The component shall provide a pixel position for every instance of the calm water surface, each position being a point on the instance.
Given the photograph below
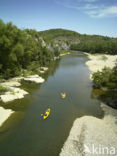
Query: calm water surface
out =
(25, 133)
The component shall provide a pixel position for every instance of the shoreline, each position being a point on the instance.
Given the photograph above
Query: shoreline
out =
(89, 130)
(4, 114)
(13, 92)
(97, 62)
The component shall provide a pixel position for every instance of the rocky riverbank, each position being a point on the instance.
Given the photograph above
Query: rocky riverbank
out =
(4, 114)
(93, 136)
(98, 61)
(14, 92)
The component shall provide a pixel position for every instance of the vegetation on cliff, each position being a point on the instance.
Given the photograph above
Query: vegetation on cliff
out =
(81, 42)
(22, 50)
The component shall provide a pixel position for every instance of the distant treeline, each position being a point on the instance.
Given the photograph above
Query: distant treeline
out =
(19, 49)
(88, 43)
(52, 34)
(96, 44)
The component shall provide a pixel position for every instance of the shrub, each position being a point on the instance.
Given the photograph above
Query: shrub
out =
(106, 78)
(2, 89)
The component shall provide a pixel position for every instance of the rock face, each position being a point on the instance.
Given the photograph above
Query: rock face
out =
(93, 136)
(64, 43)
(59, 39)
(42, 42)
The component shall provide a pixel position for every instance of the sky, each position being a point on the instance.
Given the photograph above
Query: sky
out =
(84, 16)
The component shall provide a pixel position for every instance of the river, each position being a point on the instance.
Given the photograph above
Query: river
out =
(25, 133)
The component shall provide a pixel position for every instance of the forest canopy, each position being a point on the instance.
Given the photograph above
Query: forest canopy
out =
(19, 48)
(96, 44)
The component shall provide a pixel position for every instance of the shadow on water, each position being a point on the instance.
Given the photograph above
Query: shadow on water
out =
(26, 133)
(20, 106)
(31, 88)
(109, 97)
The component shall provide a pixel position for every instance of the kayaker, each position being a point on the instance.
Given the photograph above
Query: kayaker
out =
(63, 95)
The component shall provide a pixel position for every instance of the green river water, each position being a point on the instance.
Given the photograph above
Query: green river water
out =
(25, 133)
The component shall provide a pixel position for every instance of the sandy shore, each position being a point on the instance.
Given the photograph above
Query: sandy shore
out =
(99, 61)
(90, 135)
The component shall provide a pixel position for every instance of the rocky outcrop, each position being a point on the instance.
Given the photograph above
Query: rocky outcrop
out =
(60, 43)
(65, 43)
(12, 90)
(93, 136)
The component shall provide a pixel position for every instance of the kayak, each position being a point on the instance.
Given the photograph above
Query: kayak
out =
(46, 114)
(63, 95)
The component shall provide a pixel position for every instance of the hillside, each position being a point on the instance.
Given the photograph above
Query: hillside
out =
(66, 39)
(60, 38)
(22, 50)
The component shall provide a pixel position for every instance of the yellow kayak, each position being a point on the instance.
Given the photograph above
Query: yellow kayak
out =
(46, 114)
(63, 95)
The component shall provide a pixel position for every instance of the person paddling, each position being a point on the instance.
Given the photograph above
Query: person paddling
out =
(63, 95)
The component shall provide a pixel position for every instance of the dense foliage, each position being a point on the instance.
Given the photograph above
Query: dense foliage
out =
(105, 86)
(107, 78)
(87, 43)
(52, 34)
(2, 89)
(24, 49)
(96, 44)
(19, 49)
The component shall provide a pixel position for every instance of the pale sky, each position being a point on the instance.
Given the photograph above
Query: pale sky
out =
(84, 16)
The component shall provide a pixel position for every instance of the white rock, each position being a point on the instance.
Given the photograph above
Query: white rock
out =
(34, 78)
(41, 71)
(14, 93)
(4, 114)
(44, 68)
(89, 131)
(10, 83)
